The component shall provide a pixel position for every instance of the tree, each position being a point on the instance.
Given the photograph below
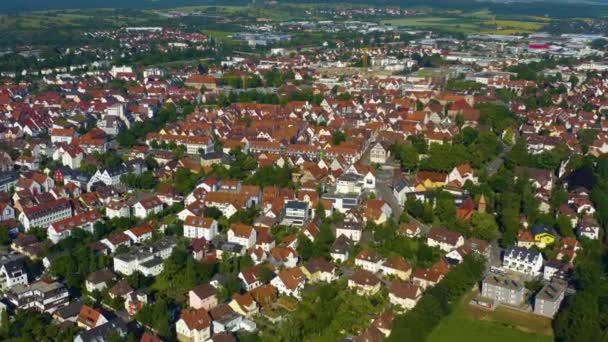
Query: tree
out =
(266, 275)
(5, 325)
(573, 80)
(320, 211)
(337, 137)
(189, 274)
(407, 155)
(305, 248)
(564, 226)
(583, 315)
(445, 209)
(5, 238)
(484, 226)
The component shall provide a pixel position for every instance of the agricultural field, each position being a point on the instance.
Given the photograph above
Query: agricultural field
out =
(471, 22)
(67, 19)
(471, 324)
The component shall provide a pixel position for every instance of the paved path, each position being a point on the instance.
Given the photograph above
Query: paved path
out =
(385, 192)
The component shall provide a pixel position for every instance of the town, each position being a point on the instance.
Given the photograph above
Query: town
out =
(328, 177)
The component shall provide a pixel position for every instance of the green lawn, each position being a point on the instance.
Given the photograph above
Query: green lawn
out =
(469, 324)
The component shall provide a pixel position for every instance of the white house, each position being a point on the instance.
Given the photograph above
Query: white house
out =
(13, 272)
(7, 212)
(242, 234)
(589, 229)
(368, 260)
(194, 325)
(140, 234)
(60, 230)
(352, 230)
(378, 154)
(462, 173)
(523, 260)
(196, 227)
(69, 155)
(147, 206)
(147, 259)
(290, 282)
(116, 209)
(446, 240)
(109, 177)
(403, 294)
(45, 214)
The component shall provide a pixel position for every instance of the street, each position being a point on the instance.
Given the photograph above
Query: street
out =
(385, 192)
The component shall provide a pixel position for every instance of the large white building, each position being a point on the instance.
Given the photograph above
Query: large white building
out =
(523, 260)
(200, 227)
(147, 260)
(62, 229)
(45, 214)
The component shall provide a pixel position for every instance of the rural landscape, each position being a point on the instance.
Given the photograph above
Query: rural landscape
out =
(250, 170)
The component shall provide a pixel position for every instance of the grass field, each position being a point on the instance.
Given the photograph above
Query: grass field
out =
(471, 22)
(470, 324)
(65, 19)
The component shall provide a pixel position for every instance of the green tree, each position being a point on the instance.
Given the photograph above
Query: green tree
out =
(5, 325)
(266, 275)
(320, 212)
(337, 137)
(484, 226)
(5, 238)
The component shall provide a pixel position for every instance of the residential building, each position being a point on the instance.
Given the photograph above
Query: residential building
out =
(404, 294)
(147, 206)
(523, 260)
(45, 214)
(319, 269)
(339, 249)
(101, 333)
(147, 259)
(99, 280)
(13, 272)
(42, 296)
(140, 234)
(368, 260)
(503, 290)
(194, 325)
(289, 282)
(89, 318)
(444, 239)
(295, 213)
(203, 297)
(350, 229)
(60, 230)
(396, 266)
(364, 283)
(117, 209)
(550, 297)
(242, 234)
(196, 227)
(378, 154)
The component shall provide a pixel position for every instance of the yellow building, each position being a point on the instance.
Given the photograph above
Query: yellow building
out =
(543, 236)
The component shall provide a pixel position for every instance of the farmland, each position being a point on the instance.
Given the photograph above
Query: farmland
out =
(472, 22)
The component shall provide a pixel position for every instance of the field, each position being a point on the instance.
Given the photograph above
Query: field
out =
(471, 22)
(67, 19)
(471, 324)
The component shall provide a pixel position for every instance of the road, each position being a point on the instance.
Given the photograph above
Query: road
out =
(495, 164)
(385, 192)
